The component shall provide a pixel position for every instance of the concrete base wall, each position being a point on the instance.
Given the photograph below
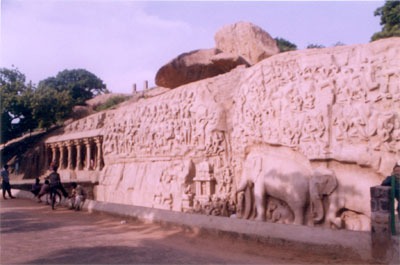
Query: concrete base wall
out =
(324, 241)
(328, 241)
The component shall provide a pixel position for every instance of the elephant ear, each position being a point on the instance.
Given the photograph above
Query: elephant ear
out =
(324, 182)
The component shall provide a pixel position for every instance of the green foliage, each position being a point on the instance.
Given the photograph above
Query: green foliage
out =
(315, 46)
(50, 106)
(111, 102)
(15, 100)
(390, 19)
(339, 43)
(285, 45)
(79, 83)
(24, 107)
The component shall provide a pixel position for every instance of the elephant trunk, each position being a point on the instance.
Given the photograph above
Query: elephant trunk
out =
(242, 185)
(317, 207)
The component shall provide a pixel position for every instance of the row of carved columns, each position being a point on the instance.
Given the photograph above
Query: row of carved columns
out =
(77, 154)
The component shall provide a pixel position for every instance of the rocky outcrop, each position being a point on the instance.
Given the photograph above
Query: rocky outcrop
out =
(246, 40)
(239, 44)
(196, 65)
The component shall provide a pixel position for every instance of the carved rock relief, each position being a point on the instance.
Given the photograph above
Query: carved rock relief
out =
(333, 111)
(323, 107)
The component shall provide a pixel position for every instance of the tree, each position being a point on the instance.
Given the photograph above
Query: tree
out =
(390, 19)
(315, 46)
(339, 43)
(50, 106)
(15, 100)
(285, 45)
(79, 83)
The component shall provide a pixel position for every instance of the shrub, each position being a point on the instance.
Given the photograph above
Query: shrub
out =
(111, 102)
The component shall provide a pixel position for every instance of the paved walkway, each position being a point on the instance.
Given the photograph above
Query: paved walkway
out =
(32, 233)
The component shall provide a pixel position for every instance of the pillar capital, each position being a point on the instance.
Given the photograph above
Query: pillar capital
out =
(60, 144)
(98, 139)
(69, 143)
(87, 141)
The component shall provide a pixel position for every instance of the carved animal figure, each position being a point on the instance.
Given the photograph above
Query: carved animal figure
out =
(351, 194)
(287, 176)
(354, 221)
(276, 212)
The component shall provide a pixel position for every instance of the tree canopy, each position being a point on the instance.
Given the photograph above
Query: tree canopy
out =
(79, 83)
(390, 20)
(50, 106)
(315, 46)
(15, 100)
(25, 107)
(285, 45)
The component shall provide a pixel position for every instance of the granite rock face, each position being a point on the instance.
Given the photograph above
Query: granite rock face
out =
(312, 129)
(246, 40)
(196, 65)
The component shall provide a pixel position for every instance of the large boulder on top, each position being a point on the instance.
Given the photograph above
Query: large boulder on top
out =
(246, 40)
(196, 65)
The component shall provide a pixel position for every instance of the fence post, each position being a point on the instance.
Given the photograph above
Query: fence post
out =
(381, 231)
(392, 215)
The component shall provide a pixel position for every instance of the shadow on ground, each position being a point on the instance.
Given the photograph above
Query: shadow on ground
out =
(122, 255)
(17, 222)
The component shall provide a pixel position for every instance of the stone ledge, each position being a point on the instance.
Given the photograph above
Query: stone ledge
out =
(26, 185)
(351, 244)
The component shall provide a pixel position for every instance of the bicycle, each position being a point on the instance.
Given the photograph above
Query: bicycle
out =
(54, 198)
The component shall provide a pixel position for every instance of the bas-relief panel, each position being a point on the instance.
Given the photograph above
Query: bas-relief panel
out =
(323, 108)
(187, 149)
(344, 108)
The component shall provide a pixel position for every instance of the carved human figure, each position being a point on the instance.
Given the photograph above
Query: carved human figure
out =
(385, 126)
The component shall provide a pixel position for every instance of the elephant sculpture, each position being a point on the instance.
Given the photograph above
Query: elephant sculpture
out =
(277, 212)
(287, 177)
(348, 206)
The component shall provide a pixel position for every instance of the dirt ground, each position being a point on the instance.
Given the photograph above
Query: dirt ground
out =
(32, 233)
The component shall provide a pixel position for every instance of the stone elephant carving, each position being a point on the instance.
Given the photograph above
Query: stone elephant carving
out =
(351, 198)
(288, 180)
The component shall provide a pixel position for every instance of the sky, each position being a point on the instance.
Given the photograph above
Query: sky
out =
(126, 42)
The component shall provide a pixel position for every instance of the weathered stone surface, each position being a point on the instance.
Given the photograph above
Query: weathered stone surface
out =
(196, 65)
(313, 130)
(246, 40)
(227, 61)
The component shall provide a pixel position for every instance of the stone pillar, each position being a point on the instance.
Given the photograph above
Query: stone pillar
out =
(61, 161)
(48, 157)
(98, 142)
(69, 149)
(53, 147)
(145, 85)
(134, 89)
(380, 222)
(88, 153)
(78, 154)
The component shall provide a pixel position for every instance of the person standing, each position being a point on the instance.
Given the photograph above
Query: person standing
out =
(6, 182)
(55, 182)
